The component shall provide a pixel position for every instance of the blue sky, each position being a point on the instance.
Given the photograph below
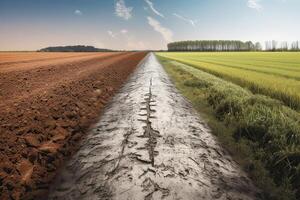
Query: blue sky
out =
(143, 24)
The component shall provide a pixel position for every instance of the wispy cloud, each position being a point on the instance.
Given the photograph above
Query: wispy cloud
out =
(78, 12)
(111, 34)
(151, 5)
(115, 34)
(122, 10)
(190, 21)
(165, 32)
(255, 4)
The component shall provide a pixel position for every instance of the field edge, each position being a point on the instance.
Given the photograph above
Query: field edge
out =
(241, 152)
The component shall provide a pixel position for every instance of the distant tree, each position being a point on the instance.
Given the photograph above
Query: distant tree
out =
(274, 45)
(295, 46)
(267, 46)
(284, 46)
(258, 46)
(249, 46)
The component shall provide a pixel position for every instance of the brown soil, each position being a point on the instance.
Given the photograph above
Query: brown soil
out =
(47, 102)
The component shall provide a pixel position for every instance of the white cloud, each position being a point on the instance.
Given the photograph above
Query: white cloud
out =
(111, 34)
(78, 12)
(124, 31)
(166, 33)
(190, 21)
(255, 4)
(122, 10)
(151, 5)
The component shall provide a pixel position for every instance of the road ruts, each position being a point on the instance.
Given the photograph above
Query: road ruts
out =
(150, 144)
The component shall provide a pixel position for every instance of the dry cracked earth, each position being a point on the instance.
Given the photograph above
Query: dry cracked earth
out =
(151, 144)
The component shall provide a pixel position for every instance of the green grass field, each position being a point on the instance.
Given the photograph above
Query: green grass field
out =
(255, 96)
(273, 74)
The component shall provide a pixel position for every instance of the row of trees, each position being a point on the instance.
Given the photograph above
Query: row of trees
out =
(214, 45)
(281, 46)
(231, 45)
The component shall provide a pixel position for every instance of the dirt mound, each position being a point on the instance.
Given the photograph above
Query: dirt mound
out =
(45, 109)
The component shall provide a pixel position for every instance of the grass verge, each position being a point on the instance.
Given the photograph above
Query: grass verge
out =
(261, 133)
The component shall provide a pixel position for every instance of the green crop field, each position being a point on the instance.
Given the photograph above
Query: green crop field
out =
(256, 96)
(273, 74)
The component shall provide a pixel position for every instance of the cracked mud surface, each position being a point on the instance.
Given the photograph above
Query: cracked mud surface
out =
(150, 144)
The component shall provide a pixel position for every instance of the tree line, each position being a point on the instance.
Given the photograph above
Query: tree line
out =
(213, 45)
(281, 46)
(231, 45)
(76, 48)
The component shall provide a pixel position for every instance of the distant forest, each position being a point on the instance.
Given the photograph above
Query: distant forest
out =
(231, 45)
(77, 48)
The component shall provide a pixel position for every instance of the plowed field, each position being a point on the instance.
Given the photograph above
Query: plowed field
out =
(47, 102)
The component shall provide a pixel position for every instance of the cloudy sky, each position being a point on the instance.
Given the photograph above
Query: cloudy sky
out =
(143, 24)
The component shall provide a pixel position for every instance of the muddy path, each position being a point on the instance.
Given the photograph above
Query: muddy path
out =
(151, 144)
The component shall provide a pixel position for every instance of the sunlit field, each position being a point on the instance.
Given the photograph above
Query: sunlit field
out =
(273, 74)
(256, 97)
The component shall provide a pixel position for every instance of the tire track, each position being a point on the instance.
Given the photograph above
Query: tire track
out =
(150, 144)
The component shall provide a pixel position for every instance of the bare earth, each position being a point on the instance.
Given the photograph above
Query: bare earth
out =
(47, 103)
(151, 144)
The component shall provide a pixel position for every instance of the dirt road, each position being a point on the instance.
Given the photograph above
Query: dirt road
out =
(150, 144)
(47, 103)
